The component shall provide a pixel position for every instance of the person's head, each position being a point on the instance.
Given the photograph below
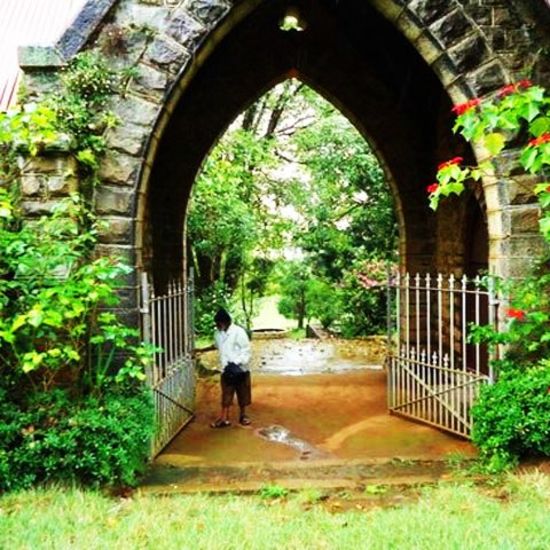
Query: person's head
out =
(222, 319)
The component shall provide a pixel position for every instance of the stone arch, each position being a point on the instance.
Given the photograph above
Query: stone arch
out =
(469, 50)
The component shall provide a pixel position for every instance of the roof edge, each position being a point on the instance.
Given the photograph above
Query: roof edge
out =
(70, 42)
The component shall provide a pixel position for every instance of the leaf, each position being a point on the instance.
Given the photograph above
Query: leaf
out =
(494, 143)
(539, 126)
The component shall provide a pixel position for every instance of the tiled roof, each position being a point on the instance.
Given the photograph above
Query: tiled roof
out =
(28, 22)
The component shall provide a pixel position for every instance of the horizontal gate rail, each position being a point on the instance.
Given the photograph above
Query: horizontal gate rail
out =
(167, 323)
(434, 371)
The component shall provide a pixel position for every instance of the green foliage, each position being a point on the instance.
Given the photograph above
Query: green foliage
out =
(512, 416)
(272, 492)
(207, 303)
(93, 441)
(55, 329)
(51, 295)
(292, 173)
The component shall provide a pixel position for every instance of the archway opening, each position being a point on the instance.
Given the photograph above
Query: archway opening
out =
(358, 61)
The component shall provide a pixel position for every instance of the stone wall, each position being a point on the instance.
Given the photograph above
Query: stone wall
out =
(455, 49)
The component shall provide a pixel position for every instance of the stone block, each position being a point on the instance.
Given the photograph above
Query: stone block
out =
(124, 253)
(39, 56)
(31, 185)
(164, 51)
(115, 230)
(109, 200)
(150, 78)
(430, 10)
(208, 12)
(149, 16)
(470, 53)
(185, 29)
(130, 139)
(531, 247)
(61, 185)
(452, 28)
(38, 207)
(135, 110)
(525, 219)
(488, 79)
(119, 168)
(50, 164)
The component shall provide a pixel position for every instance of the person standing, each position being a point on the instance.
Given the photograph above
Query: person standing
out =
(234, 351)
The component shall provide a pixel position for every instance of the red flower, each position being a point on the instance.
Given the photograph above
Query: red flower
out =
(525, 83)
(506, 90)
(461, 108)
(432, 188)
(452, 162)
(514, 313)
(544, 138)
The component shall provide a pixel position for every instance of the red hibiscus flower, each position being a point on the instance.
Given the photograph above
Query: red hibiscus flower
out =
(525, 83)
(432, 188)
(461, 108)
(544, 138)
(506, 90)
(452, 162)
(514, 313)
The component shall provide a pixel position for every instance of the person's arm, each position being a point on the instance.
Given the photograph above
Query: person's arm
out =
(245, 351)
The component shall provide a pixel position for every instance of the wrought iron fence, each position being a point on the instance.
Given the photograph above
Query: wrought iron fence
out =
(434, 370)
(167, 323)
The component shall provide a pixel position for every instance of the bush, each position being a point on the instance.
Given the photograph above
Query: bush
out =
(512, 416)
(92, 441)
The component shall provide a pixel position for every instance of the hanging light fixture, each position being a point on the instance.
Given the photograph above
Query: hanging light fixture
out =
(292, 20)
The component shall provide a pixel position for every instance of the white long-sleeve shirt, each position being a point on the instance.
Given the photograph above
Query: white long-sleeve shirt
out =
(234, 346)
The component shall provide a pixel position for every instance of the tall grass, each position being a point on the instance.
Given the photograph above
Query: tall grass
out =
(449, 517)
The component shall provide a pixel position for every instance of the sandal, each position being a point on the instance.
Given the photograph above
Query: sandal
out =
(219, 423)
(245, 421)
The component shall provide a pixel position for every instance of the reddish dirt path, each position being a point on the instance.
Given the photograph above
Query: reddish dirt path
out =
(343, 416)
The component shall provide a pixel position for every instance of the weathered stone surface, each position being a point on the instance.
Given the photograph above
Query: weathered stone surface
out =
(525, 219)
(130, 139)
(39, 56)
(488, 79)
(38, 207)
(451, 28)
(207, 11)
(185, 29)
(150, 79)
(430, 10)
(31, 185)
(149, 16)
(49, 164)
(469, 54)
(164, 51)
(115, 230)
(109, 200)
(119, 168)
(528, 246)
(135, 110)
(61, 185)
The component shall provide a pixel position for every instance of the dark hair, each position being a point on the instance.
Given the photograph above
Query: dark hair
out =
(222, 317)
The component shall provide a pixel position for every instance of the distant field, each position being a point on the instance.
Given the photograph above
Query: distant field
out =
(269, 317)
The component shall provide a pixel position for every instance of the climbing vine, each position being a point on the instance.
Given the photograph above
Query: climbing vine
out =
(63, 355)
(512, 416)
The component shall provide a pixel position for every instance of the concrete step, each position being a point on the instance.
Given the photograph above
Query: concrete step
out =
(173, 475)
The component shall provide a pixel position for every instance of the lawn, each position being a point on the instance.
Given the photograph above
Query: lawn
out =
(513, 515)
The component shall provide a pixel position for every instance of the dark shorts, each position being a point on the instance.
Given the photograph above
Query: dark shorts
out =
(239, 385)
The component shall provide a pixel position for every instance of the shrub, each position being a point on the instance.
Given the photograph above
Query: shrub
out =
(92, 441)
(512, 416)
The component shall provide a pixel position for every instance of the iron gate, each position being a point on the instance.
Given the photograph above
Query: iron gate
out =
(434, 372)
(167, 323)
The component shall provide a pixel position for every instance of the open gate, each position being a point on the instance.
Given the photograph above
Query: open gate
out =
(434, 372)
(167, 323)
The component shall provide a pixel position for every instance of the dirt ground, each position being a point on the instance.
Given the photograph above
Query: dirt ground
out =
(312, 401)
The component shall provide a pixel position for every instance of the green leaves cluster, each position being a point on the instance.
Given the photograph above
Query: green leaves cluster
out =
(512, 416)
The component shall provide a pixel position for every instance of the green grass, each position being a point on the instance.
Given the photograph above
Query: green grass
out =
(514, 516)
